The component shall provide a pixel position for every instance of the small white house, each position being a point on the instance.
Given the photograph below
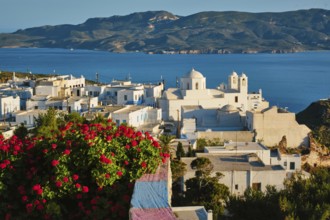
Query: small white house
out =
(247, 164)
(132, 96)
(9, 105)
(137, 115)
(28, 118)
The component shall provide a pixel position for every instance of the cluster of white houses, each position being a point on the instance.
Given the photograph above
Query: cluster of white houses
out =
(228, 112)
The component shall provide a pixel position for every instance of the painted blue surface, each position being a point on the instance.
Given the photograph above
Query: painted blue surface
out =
(150, 195)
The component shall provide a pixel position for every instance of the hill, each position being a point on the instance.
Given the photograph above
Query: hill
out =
(205, 32)
(317, 117)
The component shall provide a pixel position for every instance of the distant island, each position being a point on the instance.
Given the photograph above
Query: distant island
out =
(204, 32)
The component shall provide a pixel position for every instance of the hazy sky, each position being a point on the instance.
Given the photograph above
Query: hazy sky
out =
(16, 14)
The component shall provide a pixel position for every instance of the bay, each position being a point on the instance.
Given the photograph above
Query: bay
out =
(287, 80)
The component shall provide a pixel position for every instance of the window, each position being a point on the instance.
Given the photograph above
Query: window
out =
(118, 122)
(90, 93)
(256, 186)
(292, 166)
(285, 163)
(243, 82)
(196, 85)
(125, 97)
(236, 99)
(115, 93)
(187, 85)
(236, 186)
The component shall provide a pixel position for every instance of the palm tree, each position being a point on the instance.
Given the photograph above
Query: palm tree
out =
(165, 140)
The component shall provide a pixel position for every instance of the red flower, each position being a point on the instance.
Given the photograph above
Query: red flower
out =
(24, 198)
(58, 184)
(127, 147)
(105, 160)
(126, 162)
(65, 179)
(109, 138)
(85, 189)
(40, 207)
(134, 143)
(54, 146)
(156, 144)
(29, 207)
(66, 152)
(39, 191)
(36, 187)
(143, 164)
(55, 163)
(119, 173)
(2, 165)
(75, 177)
(107, 175)
(78, 186)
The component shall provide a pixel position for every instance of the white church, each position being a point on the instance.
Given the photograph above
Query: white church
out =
(193, 92)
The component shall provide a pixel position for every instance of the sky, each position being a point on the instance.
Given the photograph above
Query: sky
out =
(20, 14)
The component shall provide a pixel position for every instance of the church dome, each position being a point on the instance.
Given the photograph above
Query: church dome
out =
(193, 74)
(228, 108)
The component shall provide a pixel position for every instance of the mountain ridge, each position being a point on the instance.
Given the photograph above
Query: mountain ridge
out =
(203, 32)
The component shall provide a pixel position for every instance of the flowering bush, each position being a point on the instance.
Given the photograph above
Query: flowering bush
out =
(87, 172)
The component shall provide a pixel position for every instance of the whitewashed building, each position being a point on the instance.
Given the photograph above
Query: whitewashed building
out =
(137, 116)
(28, 118)
(271, 124)
(9, 105)
(193, 92)
(60, 86)
(247, 164)
(77, 104)
(131, 96)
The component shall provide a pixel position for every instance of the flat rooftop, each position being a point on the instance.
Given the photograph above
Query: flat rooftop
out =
(190, 213)
(131, 108)
(236, 146)
(228, 162)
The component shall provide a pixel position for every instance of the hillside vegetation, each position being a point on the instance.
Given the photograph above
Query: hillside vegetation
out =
(205, 32)
(317, 117)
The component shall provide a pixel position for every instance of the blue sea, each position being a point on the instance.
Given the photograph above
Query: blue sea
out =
(287, 80)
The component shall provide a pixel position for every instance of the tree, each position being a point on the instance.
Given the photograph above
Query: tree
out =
(165, 140)
(178, 169)
(190, 152)
(204, 189)
(302, 198)
(21, 131)
(47, 124)
(180, 151)
(74, 117)
(245, 208)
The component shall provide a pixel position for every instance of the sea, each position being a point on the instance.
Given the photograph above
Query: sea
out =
(291, 81)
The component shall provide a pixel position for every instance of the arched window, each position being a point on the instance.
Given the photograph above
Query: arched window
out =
(196, 86)
(243, 82)
(187, 85)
